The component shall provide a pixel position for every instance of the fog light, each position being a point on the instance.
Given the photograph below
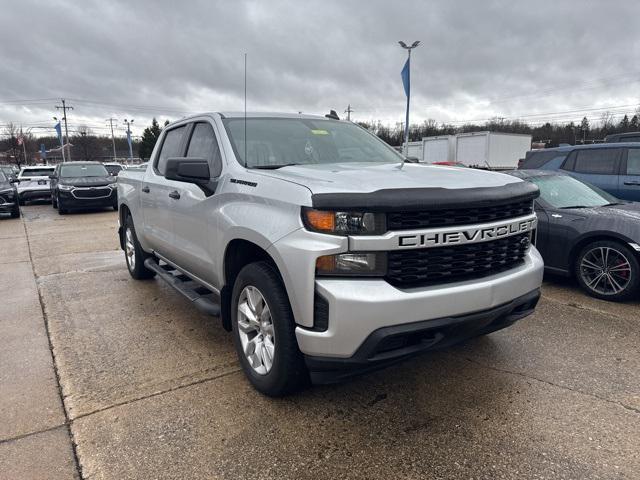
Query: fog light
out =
(357, 264)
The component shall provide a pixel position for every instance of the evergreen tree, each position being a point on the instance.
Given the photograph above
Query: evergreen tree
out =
(623, 126)
(634, 124)
(149, 137)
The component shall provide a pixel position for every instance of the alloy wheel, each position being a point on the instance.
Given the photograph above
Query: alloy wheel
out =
(130, 249)
(255, 329)
(605, 270)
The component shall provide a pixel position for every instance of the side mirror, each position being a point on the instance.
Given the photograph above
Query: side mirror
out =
(53, 177)
(189, 170)
(14, 180)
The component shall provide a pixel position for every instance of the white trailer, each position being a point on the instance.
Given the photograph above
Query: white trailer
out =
(493, 150)
(414, 150)
(441, 148)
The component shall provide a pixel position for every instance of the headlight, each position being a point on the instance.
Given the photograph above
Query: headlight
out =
(344, 223)
(346, 264)
(65, 188)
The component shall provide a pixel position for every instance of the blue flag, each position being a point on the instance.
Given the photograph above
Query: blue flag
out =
(406, 81)
(59, 132)
(43, 151)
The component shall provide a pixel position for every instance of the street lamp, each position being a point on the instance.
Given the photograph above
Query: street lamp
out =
(406, 75)
(129, 122)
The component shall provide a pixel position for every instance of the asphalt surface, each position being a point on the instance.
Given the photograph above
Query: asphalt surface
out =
(103, 377)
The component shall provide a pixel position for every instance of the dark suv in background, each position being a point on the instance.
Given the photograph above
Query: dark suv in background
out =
(614, 167)
(77, 185)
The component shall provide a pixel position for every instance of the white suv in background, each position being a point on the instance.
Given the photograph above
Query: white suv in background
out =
(34, 183)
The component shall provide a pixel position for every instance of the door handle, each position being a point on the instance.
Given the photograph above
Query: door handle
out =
(632, 183)
(145, 189)
(175, 194)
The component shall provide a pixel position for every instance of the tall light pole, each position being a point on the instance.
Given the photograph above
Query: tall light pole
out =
(129, 122)
(64, 107)
(406, 75)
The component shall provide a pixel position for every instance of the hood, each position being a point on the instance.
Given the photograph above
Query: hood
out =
(370, 177)
(626, 211)
(87, 181)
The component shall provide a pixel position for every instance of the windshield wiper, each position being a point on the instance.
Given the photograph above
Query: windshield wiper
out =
(612, 204)
(274, 167)
(574, 206)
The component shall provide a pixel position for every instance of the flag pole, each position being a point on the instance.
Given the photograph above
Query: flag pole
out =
(407, 90)
(406, 121)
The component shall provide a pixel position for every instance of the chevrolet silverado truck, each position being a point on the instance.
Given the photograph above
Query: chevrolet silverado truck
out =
(321, 249)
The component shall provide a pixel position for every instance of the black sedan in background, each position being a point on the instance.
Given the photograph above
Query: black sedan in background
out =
(587, 233)
(8, 196)
(78, 185)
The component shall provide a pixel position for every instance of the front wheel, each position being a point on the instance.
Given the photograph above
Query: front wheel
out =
(608, 270)
(61, 209)
(134, 254)
(15, 213)
(264, 332)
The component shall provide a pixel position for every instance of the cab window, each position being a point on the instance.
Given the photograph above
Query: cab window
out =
(171, 147)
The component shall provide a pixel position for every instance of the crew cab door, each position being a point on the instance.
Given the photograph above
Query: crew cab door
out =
(195, 213)
(629, 179)
(155, 198)
(597, 166)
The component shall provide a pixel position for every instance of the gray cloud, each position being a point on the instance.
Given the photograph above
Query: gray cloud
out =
(477, 59)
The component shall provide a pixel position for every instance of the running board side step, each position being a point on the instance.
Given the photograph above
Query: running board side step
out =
(201, 297)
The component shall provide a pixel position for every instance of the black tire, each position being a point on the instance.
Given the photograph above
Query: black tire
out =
(15, 213)
(21, 201)
(54, 202)
(115, 207)
(623, 270)
(61, 209)
(137, 270)
(288, 372)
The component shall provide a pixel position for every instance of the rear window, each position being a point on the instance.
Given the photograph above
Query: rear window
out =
(36, 172)
(598, 161)
(535, 160)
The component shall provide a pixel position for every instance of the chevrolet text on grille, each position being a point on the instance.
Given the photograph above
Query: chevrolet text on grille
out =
(444, 236)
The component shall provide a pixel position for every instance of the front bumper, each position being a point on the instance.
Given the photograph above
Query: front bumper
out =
(8, 207)
(357, 308)
(69, 200)
(388, 345)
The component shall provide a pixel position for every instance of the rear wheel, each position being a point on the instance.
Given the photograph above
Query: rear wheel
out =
(264, 332)
(608, 270)
(134, 254)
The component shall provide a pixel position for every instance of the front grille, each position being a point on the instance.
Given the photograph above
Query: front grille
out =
(439, 265)
(456, 216)
(98, 192)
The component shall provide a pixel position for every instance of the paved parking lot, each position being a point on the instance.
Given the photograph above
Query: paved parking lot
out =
(103, 377)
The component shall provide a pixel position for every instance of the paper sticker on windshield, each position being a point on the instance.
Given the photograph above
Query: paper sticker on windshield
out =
(319, 132)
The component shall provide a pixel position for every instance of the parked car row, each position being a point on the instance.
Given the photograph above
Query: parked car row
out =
(71, 185)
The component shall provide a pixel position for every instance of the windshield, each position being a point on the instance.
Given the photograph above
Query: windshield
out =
(89, 170)
(274, 142)
(36, 172)
(564, 191)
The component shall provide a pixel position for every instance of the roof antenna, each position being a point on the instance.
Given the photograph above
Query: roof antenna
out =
(332, 114)
(245, 111)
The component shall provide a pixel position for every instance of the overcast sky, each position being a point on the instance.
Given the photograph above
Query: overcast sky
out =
(137, 59)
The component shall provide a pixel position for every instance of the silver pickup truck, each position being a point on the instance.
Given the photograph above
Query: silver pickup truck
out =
(323, 251)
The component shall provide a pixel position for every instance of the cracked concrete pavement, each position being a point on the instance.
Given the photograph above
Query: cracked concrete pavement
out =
(108, 378)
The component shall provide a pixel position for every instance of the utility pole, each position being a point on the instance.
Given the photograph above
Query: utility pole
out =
(64, 109)
(113, 138)
(348, 112)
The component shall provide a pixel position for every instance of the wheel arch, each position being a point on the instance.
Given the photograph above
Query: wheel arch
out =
(239, 253)
(595, 236)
